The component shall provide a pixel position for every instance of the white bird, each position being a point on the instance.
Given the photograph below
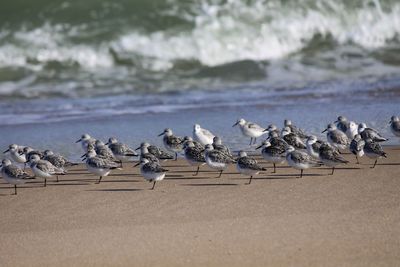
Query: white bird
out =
(43, 168)
(99, 166)
(217, 160)
(201, 135)
(248, 166)
(300, 160)
(313, 146)
(336, 137)
(395, 125)
(16, 153)
(85, 140)
(151, 171)
(250, 129)
(13, 174)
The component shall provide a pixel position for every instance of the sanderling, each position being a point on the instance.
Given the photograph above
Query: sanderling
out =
(373, 150)
(293, 129)
(217, 160)
(369, 133)
(300, 160)
(43, 168)
(99, 166)
(16, 153)
(273, 154)
(145, 154)
(395, 125)
(194, 155)
(57, 160)
(196, 144)
(203, 136)
(171, 142)
(29, 152)
(13, 174)
(313, 146)
(292, 138)
(342, 123)
(217, 144)
(272, 128)
(103, 151)
(250, 129)
(151, 171)
(330, 157)
(248, 166)
(336, 137)
(277, 141)
(158, 152)
(85, 140)
(357, 147)
(120, 150)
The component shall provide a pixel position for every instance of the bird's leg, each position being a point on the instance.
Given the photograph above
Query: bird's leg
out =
(251, 177)
(15, 189)
(154, 185)
(120, 162)
(24, 166)
(176, 156)
(374, 164)
(333, 169)
(57, 178)
(274, 168)
(220, 173)
(197, 172)
(45, 182)
(251, 141)
(301, 173)
(99, 180)
(255, 140)
(357, 160)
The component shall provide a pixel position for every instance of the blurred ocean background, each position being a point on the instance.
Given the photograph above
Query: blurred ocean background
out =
(131, 68)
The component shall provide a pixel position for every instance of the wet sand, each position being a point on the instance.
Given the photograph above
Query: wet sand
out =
(349, 219)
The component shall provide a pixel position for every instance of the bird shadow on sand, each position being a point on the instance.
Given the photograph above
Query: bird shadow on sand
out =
(209, 184)
(183, 177)
(115, 190)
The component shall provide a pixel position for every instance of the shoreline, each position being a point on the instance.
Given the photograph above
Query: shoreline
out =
(348, 219)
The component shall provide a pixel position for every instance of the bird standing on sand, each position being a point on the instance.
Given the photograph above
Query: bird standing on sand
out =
(194, 155)
(300, 160)
(292, 138)
(201, 135)
(171, 142)
(16, 153)
(330, 157)
(250, 129)
(357, 147)
(217, 144)
(57, 160)
(248, 166)
(373, 150)
(217, 160)
(195, 143)
(395, 125)
(99, 166)
(336, 137)
(145, 154)
(369, 133)
(13, 174)
(313, 146)
(85, 140)
(293, 129)
(120, 151)
(43, 168)
(151, 171)
(273, 154)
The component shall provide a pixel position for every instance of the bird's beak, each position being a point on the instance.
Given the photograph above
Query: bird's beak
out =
(6, 151)
(336, 121)
(78, 140)
(84, 155)
(21, 153)
(161, 134)
(325, 130)
(235, 124)
(85, 158)
(137, 164)
(137, 148)
(1, 165)
(259, 147)
(107, 143)
(266, 130)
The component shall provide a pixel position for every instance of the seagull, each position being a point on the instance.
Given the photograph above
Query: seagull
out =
(196, 144)
(217, 144)
(273, 154)
(85, 140)
(250, 129)
(99, 166)
(16, 153)
(151, 171)
(43, 168)
(145, 154)
(292, 139)
(330, 157)
(374, 150)
(120, 150)
(313, 146)
(357, 147)
(13, 174)
(194, 155)
(248, 166)
(201, 135)
(369, 133)
(216, 159)
(171, 142)
(336, 137)
(293, 129)
(395, 125)
(57, 160)
(300, 160)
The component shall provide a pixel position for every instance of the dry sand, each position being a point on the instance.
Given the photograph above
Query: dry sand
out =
(349, 219)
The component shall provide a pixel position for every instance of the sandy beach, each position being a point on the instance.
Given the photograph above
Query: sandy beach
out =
(348, 219)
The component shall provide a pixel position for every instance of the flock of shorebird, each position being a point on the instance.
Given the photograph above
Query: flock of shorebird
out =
(291, 144)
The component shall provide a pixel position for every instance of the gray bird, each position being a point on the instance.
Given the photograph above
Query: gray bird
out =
(292, 138)
(357, 147)
(98, 165)
(171, 142)
(145, 154)
(300, 160)
(57, 160)
(373, 150)
(13, 174)
(194, 155)
(217, 160)
(248, 166)
(217, 144)
(151, 171)
(293, 129)
(120, 150)
(336, 138)
(395, 125)
(330, 157)
(273, 154)
(369, 133)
